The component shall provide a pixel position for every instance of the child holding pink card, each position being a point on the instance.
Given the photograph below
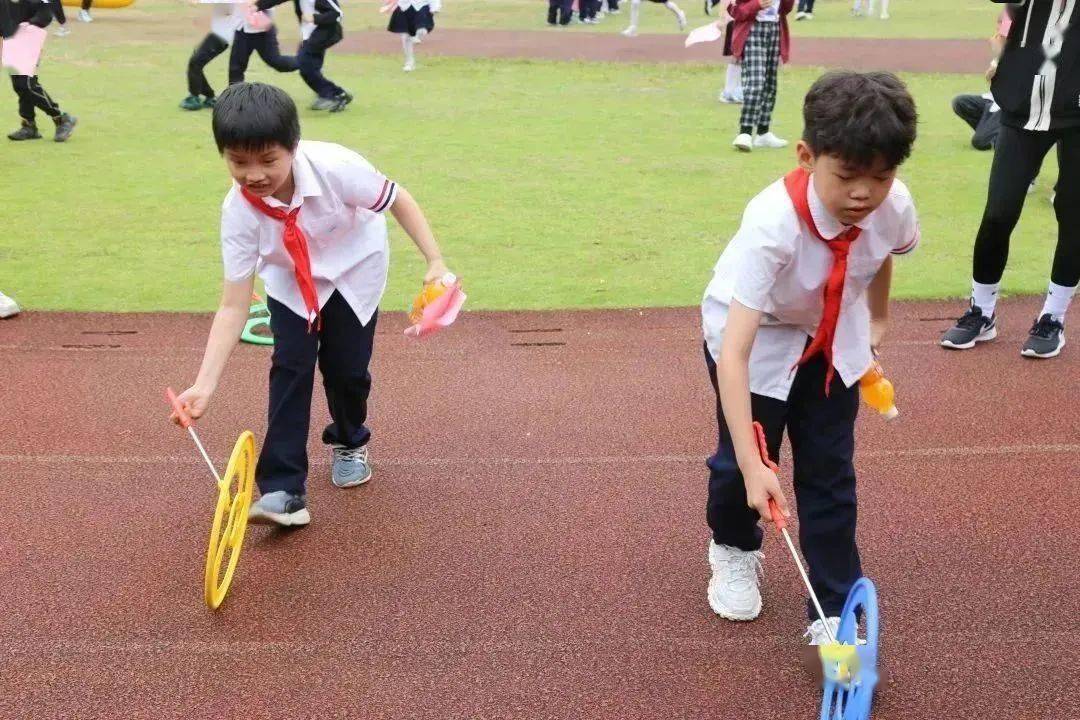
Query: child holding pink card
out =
(309, 219)
(22, 25)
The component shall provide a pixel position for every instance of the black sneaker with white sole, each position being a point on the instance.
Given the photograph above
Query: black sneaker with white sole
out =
(973, 327)
(1046, 338)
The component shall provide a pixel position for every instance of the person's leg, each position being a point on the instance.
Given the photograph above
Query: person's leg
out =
(772, 70)
(239, 57)
(270, 52)
(822, 432)
(680, 16)
(311, 58)
(733, 90)
(21, 85)
(635, 12)
(84, 13)
(884, 9)
(553, 9)
(754, 67)
(208, 49)
(970, 108)
(283, 461)
(566, 12)
(1065, 275)
(407, 45)
(987, 129)
(344, 357)
(58, 11)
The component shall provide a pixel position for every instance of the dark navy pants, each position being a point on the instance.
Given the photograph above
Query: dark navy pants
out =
(312, 56)
(822, 434)
(561, 11)
(342, 350)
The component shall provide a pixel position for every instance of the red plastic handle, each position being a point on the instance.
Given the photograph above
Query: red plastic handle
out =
(763, 448)
(185, 419)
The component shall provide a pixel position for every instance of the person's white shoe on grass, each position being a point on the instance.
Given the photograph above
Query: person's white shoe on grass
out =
(8, 306)
(733, 588)
(769, 140)
(630, 31)
(743, 142)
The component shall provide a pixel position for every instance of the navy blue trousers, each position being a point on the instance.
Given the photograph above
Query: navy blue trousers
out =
(822, 434)
(312, 55)
(342, 350)
(561, 11)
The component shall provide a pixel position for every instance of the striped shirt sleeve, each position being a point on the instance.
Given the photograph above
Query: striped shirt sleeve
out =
(909, 235)
(363, 186)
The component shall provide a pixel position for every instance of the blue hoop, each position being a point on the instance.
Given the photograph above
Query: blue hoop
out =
(854, 702)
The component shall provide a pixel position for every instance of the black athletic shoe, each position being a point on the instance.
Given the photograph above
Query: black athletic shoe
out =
(1046, 338)
(973, 327)
(209, 102)
(65, 125)
(27, 131)
(341, 102)
(191, 102)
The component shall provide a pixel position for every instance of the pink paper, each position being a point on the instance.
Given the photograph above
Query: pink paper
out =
(440, 313)
(390, 5)
(260, 21)
(23, 49)
(706, 33)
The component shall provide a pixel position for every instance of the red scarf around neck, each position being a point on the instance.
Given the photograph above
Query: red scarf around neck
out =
(297, 245)
(797, 183)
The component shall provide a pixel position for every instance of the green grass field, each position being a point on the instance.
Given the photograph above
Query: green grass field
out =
(549, 184)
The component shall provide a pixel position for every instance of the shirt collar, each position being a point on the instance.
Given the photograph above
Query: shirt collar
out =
(827, 225)
(305, 182)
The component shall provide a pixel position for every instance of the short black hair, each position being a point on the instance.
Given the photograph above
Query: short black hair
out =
(253, 116)
(860, 117)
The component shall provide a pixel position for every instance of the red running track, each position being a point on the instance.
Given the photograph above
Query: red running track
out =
(533, 543)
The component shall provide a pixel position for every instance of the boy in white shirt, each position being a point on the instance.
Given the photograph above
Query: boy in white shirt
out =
(308, 218)
(797, 306)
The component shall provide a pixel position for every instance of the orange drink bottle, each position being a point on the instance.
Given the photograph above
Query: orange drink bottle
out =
(878, 392)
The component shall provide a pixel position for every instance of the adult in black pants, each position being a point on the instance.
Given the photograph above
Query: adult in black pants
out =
(1036, 86)
(564, 9)
(265, 43)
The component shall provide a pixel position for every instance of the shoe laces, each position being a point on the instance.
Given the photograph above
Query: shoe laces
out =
(1046, 326)
(973, 319)
(744, 569)
(816, 631)
(359, 454)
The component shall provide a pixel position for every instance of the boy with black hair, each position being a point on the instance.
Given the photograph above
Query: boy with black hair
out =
(31, 95)
(324, 25)
(308, 217)
(1036, 84)
(796, 309)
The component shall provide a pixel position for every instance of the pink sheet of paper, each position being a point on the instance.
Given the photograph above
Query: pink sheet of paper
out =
(22, 51)
(442, 312)
(706, 33)
(258, 20)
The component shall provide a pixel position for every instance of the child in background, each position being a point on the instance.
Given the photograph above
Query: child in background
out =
(84, 13)
(635, 10)
(223, 22)
(251, 37)
(412, 20)
(856, 9)
(27, 87)
(560, 12)
(308, 218)
(761, 40)
(320, 28)
(806, 10)
(797, 306)
(61, 19)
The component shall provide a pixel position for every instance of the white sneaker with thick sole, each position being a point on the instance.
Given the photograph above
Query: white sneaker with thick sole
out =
(743, 142)
(815, 632)
(769, 140)
(733, 587)
(84, 16)
(630, 31)
(8, 307)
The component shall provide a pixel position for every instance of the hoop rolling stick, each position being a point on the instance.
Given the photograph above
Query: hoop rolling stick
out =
(231, 511)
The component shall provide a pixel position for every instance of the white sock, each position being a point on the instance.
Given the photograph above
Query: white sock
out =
(673, 8)
(884, 7)
(985, 297)
(407, 45)
(635, 8)
(1057, 301)
(733, 80)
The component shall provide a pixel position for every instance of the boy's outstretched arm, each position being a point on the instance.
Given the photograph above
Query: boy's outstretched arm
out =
(408, 214)
(733, 377)
(229, 322)
(877, 294)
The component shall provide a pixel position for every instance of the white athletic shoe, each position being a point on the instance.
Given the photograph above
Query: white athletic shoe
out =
(800, 15)
(728, 99)
(769, 140)
(61, 31)
(743, 142)
(630, 31)
(733, 587)
(409, 66)
(884, 16)
(8, 307)
(84, 16)
(815, 632)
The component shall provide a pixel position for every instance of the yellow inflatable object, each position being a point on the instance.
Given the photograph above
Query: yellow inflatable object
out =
(230, 520)
(99, 3)
(841, 662)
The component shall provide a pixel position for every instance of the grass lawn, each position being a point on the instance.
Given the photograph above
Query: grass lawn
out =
(549, 184)
(832, 18)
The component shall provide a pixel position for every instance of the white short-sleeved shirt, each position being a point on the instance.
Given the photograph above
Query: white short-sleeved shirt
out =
(342, 198)
(769, 14)
(247, 27)
(223, 21)
(415, 4)
(776, 265)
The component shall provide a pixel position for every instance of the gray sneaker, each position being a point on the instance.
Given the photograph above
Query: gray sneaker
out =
(351, 466)
(324, 103)
(973, 327)
(280, 508)
(1046, 338)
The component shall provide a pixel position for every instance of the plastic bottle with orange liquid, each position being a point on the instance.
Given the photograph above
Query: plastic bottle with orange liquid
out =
(878, 392)
(429, 294)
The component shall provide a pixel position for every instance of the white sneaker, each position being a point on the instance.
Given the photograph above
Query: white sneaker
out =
(409, 66)
(743, 142)
(884, 16)
(769, 140)
(728, 99)
(733, 587)
(630, 31)
(815, 631)
(800, 15)
(84, 16)
(8, 307)
(61, 31)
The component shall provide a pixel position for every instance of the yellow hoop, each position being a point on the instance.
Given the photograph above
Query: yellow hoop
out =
(230, 520)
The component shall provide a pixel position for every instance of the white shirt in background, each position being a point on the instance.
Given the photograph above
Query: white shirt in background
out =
(776, 265)
(342, 199)
(770, 14)
(223, 21)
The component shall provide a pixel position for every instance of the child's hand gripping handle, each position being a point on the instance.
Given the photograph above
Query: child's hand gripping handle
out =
(180, 415)
(763, 448)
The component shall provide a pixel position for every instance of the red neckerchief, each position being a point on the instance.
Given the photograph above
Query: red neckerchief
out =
(797, 183)
(297, 245)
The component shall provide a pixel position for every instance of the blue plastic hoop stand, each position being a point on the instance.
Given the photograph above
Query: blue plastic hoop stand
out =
(855, 701)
